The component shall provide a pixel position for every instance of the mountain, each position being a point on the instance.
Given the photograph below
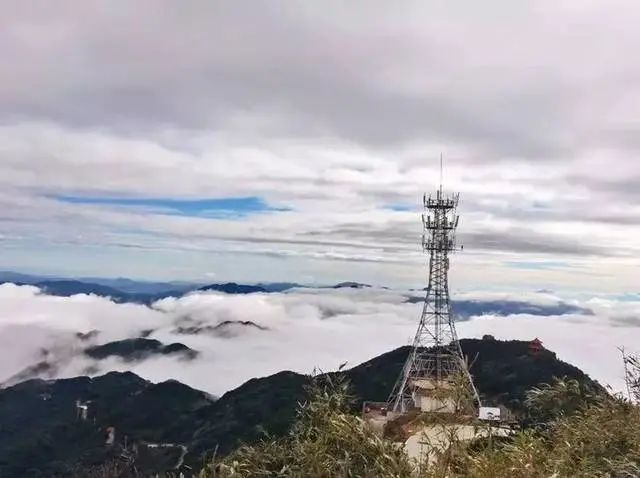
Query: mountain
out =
(279, 286)
(18, 277)
(142, 287)
(40, 434)
(42, 369)
(233, 288)
(126, 290)
(66, 288)
(138, 349)
(226, 328)
(503, 371)
(465, 309)
(351, 285)
(130, 350)
(120, 284)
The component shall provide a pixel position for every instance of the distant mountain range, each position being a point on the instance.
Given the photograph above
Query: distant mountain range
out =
(121, 284)
(42, 433)
(125, 290)
(149, 292)
(67, 288)
(464, 309)
(351, 285)
(233, 288)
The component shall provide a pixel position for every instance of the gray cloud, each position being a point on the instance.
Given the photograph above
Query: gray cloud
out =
(527, 241)
(336, 111)
(338, 70)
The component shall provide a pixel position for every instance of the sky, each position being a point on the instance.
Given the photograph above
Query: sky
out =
(270, 141)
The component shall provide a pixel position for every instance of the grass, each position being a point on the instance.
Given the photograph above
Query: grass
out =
(573, 433)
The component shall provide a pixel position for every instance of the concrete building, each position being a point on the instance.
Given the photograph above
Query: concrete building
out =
(429, 396)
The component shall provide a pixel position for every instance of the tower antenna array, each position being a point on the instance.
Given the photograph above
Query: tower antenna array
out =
(435, 360)
(440, 173)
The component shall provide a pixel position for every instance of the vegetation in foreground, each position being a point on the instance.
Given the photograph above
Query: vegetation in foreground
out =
(572, 433)
(44, 438)
(326, 440)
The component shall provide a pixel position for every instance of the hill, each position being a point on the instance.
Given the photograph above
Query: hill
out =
(125, 290)
(138, 349)
(67, 288)
(41, 435)
(351, 285)
(233, 288)
(39, 429)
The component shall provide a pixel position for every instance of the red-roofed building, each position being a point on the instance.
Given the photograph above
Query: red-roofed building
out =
(535, 346)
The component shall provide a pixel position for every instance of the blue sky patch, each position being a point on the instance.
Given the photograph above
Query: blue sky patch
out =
(218, 208)
(401, 207)
(537, 265)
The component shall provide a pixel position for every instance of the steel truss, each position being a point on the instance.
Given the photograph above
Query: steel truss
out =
(435, 354)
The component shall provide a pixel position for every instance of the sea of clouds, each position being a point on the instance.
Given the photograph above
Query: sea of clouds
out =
(300, 330)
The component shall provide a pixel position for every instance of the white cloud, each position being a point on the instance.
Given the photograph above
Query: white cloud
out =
(305, 328)
(337, 112)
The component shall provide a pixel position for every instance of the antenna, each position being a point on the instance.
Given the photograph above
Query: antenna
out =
(440, 174)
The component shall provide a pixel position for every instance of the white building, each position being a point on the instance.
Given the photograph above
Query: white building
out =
(431, 398)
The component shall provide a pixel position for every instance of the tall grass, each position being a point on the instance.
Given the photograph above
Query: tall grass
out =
(576, 435)
(326, 441)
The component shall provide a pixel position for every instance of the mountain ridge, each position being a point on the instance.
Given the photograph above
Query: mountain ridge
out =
(40, 426)
(463, 308)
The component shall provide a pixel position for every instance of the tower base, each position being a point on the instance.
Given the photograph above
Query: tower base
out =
(430, 395)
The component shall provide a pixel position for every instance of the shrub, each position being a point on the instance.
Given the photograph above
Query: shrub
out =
(586, 436)
(326, 441)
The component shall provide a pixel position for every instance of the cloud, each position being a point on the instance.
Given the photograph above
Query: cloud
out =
(304, 69)
(316, 128)
(336, 112)
(298, 330)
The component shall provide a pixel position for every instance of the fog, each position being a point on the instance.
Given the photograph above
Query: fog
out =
(299, 330)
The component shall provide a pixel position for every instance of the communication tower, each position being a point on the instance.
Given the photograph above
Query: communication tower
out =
(436, 365)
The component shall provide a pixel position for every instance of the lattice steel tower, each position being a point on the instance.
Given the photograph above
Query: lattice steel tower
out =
(436, 355)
